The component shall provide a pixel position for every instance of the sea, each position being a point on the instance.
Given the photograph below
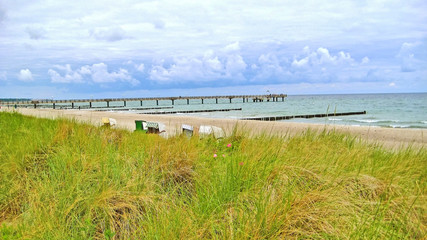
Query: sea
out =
(400, 110)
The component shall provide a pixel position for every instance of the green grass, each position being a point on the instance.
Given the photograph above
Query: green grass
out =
(63, 180)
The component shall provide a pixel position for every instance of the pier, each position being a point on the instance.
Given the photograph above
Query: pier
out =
(193, 99)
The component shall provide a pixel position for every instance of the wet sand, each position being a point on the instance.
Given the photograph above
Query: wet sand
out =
(387, 137)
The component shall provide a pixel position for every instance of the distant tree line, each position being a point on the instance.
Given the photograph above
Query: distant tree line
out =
(14, 99)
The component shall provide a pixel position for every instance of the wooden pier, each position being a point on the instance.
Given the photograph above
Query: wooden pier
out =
(277, 118)
(199, 99)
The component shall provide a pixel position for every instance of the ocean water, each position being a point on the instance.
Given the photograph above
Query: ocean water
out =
(407, 110)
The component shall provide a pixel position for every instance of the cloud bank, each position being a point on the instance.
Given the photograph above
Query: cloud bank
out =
(80, 46)
(96, 73)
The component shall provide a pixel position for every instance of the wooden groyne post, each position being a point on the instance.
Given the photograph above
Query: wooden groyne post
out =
(277, 118)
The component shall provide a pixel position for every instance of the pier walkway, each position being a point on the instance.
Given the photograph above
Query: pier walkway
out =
(52, 103)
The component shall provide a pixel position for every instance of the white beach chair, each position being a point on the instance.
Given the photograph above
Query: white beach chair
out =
(206, 130)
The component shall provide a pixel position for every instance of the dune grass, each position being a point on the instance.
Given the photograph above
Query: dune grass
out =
(60, 179)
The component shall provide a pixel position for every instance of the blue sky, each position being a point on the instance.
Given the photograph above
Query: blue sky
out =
(132, 48)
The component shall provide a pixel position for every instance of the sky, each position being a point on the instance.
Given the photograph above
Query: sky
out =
(55, 49)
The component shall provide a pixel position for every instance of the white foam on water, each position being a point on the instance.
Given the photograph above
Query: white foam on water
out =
(399, 126)
(334, 119)
(367, 120)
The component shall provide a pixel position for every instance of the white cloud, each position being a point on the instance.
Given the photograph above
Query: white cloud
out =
(85, 70)
(25, 75)
(321, 58)
(70, 76)
(365, 60)
(183, 69)
(269, 67)
(67, 78)
(199, 69)
(35, 32)
(66, 68)
(300, 63)
(100, 74)
(232, 47)
(159, 73)
(213, 64)
(138, 67)
(413, 56)
(97, 72)
(235, 65)
(110, 34)
(407, 49)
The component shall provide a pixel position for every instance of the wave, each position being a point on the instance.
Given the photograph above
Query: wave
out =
(375, 121)
(400, 126)
(367, 120)
(385, 123)
(334, 119)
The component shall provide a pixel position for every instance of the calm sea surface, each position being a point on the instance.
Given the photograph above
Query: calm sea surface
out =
(383, 110)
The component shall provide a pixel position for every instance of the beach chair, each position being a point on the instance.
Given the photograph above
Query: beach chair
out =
(187, 130)
(155, 127)
(109, 122)
(206, 130)
(141, 125)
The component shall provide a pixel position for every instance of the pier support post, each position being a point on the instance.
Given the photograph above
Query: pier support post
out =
(243, 100)
(230, 100)
(124, 102)
(173, 102)
(202, 100)
(108, 104)
(35, 106)
(216, 100)
(90, 104)
(188, 101)
(53, 105)
(283, 99)
(72, 105)
(141, 103)
(157, 102)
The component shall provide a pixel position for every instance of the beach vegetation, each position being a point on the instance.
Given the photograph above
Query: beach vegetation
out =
(60, 179)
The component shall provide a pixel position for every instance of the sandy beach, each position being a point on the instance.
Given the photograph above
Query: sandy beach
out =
(387, 137)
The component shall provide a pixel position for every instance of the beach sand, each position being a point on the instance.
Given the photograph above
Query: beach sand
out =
(387, 137)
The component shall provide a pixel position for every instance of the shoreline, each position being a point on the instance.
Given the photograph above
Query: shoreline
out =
(391, 138)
